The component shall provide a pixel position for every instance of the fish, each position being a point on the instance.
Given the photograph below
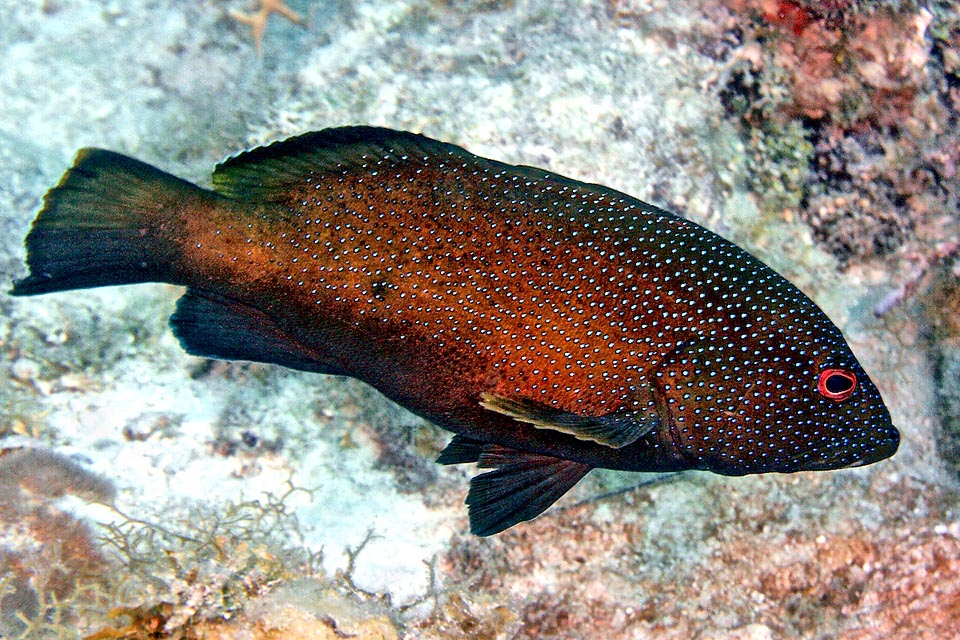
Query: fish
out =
(553, 326)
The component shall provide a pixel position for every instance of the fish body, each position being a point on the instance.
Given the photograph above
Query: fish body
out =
(554, 326)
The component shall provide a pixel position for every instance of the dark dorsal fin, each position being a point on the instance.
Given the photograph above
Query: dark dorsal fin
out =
(267, 173)
(615, 430)
(521, 487)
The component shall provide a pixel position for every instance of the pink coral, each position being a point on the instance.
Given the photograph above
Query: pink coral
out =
(870, 69)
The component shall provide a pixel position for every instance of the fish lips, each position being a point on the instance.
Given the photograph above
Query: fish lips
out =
(886, 447)
(841, 453)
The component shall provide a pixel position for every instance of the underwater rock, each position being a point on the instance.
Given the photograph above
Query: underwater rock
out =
(305, 609)
(940, 305)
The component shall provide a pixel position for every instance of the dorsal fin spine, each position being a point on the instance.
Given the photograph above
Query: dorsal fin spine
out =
(268, 172)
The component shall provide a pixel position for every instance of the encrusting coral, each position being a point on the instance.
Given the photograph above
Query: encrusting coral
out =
(871, 87)
(48, 558)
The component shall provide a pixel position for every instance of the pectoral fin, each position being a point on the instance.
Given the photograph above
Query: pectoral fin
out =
(521, 487)
(616, 429)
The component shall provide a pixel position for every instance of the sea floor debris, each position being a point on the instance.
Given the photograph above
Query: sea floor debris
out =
(258, 21)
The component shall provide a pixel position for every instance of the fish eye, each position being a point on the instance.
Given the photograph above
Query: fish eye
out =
(836, 384)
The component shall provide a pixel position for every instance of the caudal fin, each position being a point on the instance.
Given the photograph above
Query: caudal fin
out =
(108, 222)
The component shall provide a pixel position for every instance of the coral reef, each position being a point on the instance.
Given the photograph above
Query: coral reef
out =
(186, 573)
(631, 579)
(49, 561)
(879, 164)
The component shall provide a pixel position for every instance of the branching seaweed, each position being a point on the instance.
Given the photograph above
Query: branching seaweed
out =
(206, 561)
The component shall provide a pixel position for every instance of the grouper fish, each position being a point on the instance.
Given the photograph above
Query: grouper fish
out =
(553, 326)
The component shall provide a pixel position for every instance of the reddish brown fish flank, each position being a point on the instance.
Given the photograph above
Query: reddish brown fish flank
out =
(503, 283)
(424, 253)
(554, 325)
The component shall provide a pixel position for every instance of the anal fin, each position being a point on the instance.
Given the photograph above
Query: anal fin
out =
(213, 326)
(461, 450)
(521, 486)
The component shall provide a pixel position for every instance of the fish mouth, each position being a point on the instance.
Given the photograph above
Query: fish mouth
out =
(881, 452)
(831, 464)
(828, 462)
(859, 463)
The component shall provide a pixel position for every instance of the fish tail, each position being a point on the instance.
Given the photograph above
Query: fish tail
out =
(111, 220)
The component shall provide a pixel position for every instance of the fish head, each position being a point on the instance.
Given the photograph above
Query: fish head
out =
(772, 405)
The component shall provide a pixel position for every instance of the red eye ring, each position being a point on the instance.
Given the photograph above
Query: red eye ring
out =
(836, 384)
